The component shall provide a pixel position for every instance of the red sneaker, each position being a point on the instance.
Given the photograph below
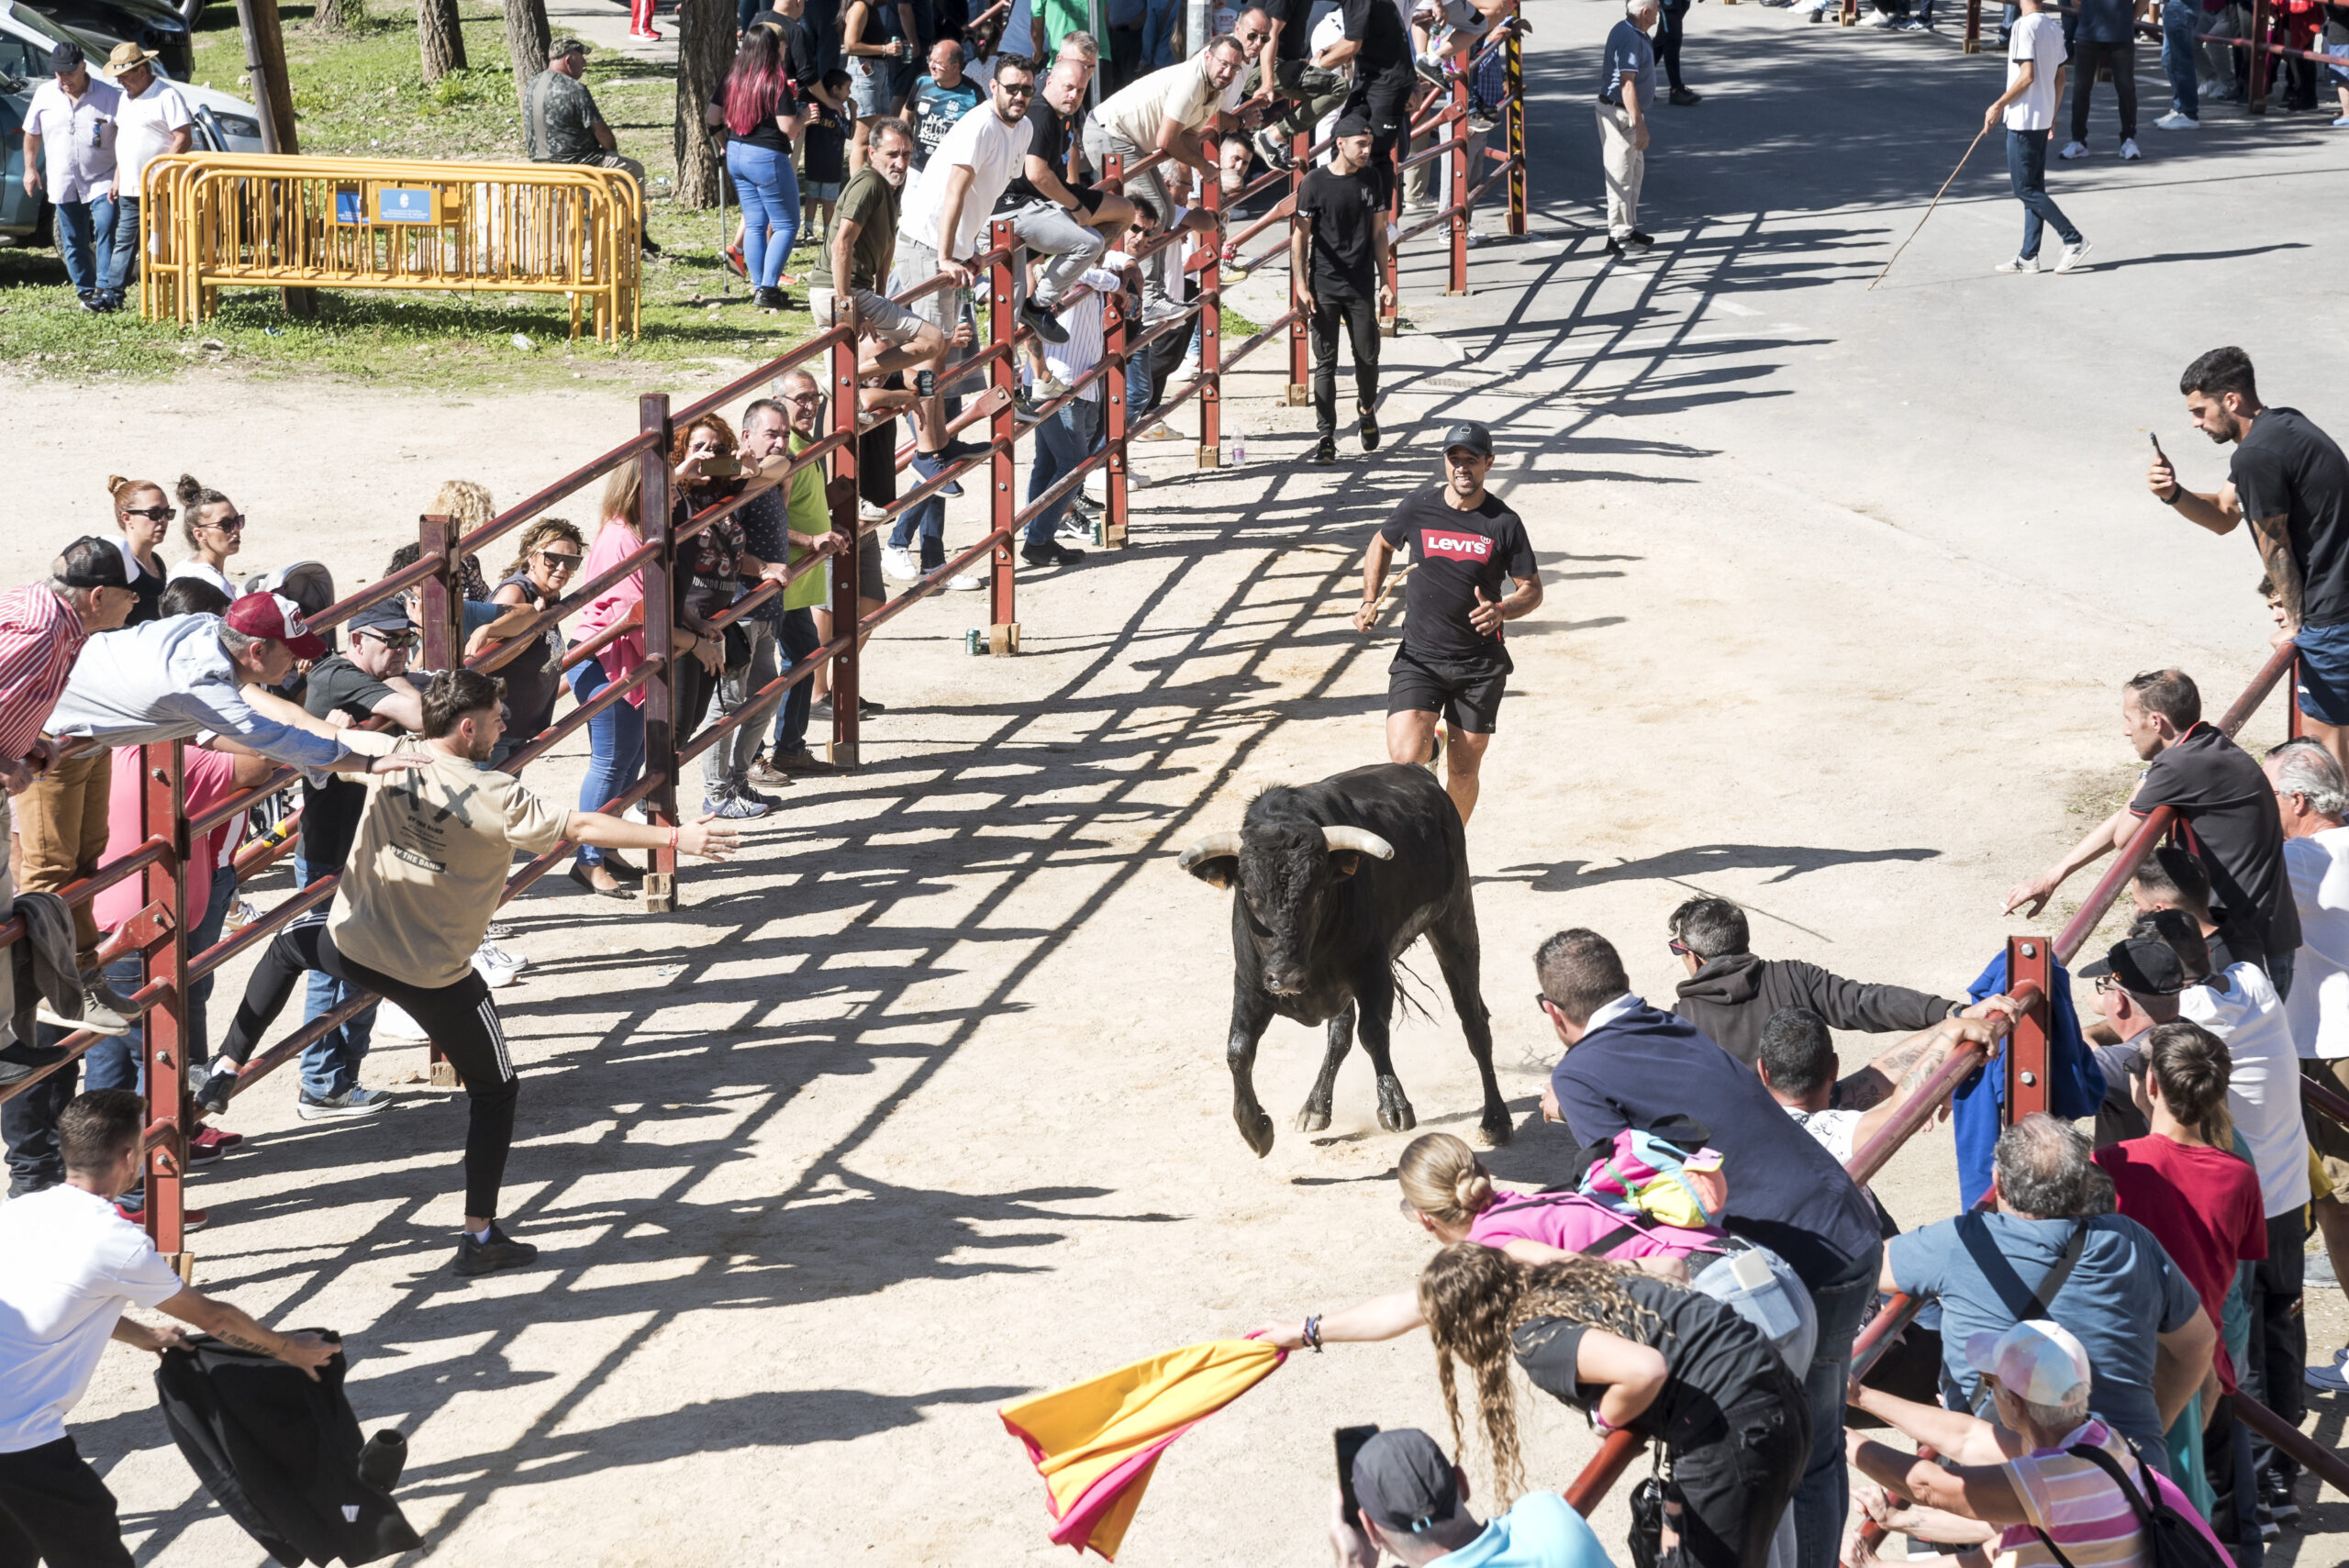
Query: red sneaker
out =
(190, 1218)
(209, 1143)
(734, 262)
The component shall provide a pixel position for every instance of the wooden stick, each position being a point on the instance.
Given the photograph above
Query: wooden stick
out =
(1934, 203)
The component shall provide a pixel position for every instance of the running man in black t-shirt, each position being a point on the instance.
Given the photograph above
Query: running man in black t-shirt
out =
(2292, 481)
(1464, 542)
(1336, 250)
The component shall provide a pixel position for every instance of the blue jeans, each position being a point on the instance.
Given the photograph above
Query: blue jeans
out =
(330, 1066)
(929, 519)
(2179, 19)
(2027, 171)
(795, 634)
(769, 193)
(615, 746)
(1063, 441)
(120, 1062)
(125, 253)
(1825, 1495)
(85, 239)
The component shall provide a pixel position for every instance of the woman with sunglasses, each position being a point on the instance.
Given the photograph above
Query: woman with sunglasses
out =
(215, 530)
(548, 563)
(144, 513)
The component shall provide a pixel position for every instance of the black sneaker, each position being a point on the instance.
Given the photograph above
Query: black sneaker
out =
(1327, 452)
(217, 1088)
(771, 299)
(1369, 431)
(1042, 320)
(1640, 240)
(1683, 97)
(646, 244)
(1275, 152)
(1024, 409)
(1051, 552)
(500, 1251)
(1615, 247)
(2276, 1491)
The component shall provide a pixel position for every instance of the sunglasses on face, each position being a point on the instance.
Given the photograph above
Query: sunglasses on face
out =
(1679, 949)
(235, 525)
(152, 514)
(393, 639)
(803, 397)
(1012, 90)
(2105, 983)
(560, 563)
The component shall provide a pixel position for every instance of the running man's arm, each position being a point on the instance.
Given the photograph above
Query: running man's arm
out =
(1522, 600)
(1374, 561)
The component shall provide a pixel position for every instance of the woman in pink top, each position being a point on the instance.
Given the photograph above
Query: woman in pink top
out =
(1448, 1191)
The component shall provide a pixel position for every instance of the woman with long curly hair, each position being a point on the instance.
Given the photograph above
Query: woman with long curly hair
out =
(759, 106)
(1634, 1353)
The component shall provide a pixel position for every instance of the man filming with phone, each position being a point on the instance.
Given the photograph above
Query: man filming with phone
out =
(1401, 1497)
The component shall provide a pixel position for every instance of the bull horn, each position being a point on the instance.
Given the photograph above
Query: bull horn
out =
(1208, 849)
(1361, 841)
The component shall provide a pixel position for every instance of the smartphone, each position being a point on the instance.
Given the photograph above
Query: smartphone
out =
(2157, 446)
(1350, 1441)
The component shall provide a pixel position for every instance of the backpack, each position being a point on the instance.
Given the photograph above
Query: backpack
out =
(2172, 1539)
(1641, 1169)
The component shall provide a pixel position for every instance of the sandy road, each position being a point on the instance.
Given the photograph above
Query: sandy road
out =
(933, 1112)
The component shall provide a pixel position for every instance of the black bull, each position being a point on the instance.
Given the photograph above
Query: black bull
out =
(1331, 882)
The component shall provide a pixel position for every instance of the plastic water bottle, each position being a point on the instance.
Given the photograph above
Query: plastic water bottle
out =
(1239, 454)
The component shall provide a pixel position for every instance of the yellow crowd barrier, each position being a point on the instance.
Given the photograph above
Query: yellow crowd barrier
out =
(211, 219)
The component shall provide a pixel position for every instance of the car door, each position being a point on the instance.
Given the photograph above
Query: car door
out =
(19, 208)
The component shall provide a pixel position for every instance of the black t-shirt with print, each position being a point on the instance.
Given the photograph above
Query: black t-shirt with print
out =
(1455, 553)
(1049, 139)
(2231, 824)
(330, 813)
(1346, 215)
(1713, 1359)
(2289, 468)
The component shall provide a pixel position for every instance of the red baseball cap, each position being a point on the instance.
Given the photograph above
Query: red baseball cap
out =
(278, 618)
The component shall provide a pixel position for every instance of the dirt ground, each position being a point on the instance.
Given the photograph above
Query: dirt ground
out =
(921, 1105)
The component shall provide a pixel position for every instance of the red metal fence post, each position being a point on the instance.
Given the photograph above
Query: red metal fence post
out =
(1456, 177)
(442, 600)
(1003, 322)
(164, 1029)
(1973, 27)
(1515, 123)
(2263, 20)
(847, 588)
(1211, 314)
(660, 694)
(1300, 390)
(1116, 331)
(2028, 961)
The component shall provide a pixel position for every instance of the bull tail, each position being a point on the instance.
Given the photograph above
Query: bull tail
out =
(1405, 1001)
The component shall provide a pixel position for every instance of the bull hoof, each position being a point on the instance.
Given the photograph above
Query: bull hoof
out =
(1395, 1114)
(1258, 1131)
(1495, 1130)
(1311, 1120)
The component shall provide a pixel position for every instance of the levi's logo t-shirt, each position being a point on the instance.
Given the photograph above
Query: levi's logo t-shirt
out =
(1455, 555)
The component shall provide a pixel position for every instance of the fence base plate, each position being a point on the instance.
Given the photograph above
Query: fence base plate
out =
(1003, 640)
(444, 1076)
(839, 753)
(1462, 294)
(1299, 396)
(1113, 537)
(1973, 45)
(1211, 457)
(182, 1264)
(660, 893)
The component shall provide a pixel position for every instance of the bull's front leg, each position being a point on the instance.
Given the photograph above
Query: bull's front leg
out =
(1251, 1012)
(1376, 998)
(1316, 1114)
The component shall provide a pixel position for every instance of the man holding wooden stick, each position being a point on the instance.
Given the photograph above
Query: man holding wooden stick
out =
(2035, 55)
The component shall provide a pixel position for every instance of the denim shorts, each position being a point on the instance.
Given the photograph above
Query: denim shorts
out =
(820, 189)
(2323, 677)
(868, 85)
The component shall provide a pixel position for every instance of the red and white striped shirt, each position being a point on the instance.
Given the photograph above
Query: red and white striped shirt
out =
(40, 636)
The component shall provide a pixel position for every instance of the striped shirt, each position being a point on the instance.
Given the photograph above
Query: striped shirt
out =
(2078, 1505)
(1082, 319)
(40, 636)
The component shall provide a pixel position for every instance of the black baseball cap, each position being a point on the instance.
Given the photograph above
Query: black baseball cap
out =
(1404, 1483)
(2144, 966)
(92, 562)
(1470, 434)
(389, 615)
(67, 56)
(1356, 124)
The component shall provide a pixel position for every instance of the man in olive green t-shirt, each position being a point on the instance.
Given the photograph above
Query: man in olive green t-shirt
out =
(863, 245)
(425, 875)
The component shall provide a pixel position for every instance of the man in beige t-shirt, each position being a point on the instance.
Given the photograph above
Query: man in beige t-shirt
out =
(1163, 112)
(426, 873)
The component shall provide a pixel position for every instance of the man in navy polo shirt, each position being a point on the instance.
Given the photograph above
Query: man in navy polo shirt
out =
(2232, 821)
(1627, 1065)
(1626, 94)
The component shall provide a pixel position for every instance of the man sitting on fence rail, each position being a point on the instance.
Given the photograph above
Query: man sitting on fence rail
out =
(1163, 112)
(425, 875)
(2227, 806)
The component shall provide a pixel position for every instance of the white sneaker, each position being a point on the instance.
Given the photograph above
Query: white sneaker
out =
(966, 583)
(2072, 256)
(1185, 373)
(898, 565)
(496, 965)
(2074, 149)
(393, 1019)
(2018, 264)
(633, 813)
(2175, 121)
(2129, 152)
(870, 511)
(495, 976)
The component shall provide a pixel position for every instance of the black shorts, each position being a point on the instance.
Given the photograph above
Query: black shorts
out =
(1466, 692)
(870, 583)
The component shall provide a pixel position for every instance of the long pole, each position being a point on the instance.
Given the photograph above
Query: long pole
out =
(1934, 203)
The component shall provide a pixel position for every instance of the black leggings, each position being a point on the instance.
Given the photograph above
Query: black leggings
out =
(462, 1022)
(1668, 39)
(2087, 56)
(1360, 317)
(290, 954)
(54, 1509)
(1732, 1489)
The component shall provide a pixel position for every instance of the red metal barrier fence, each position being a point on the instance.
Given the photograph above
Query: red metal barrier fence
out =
(157, 933)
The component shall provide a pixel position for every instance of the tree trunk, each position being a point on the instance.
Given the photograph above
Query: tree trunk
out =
(526, 41)
(705, 49)
(335, 15)
(443, 40)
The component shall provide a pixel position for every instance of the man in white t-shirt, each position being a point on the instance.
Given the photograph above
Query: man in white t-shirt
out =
(1798, 1064)
(150, 121)
(69, 1264)
(2035, 56)
(2314, 802)
(69, 160)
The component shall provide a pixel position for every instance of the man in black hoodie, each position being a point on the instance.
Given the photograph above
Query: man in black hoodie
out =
(1729, 994)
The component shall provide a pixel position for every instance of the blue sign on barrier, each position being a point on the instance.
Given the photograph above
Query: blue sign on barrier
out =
(348, 208)
(393, 205)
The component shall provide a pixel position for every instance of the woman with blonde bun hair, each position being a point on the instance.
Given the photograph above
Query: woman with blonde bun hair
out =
(143, 514)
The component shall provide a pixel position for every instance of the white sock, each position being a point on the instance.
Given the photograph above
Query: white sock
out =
(481, 1235)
